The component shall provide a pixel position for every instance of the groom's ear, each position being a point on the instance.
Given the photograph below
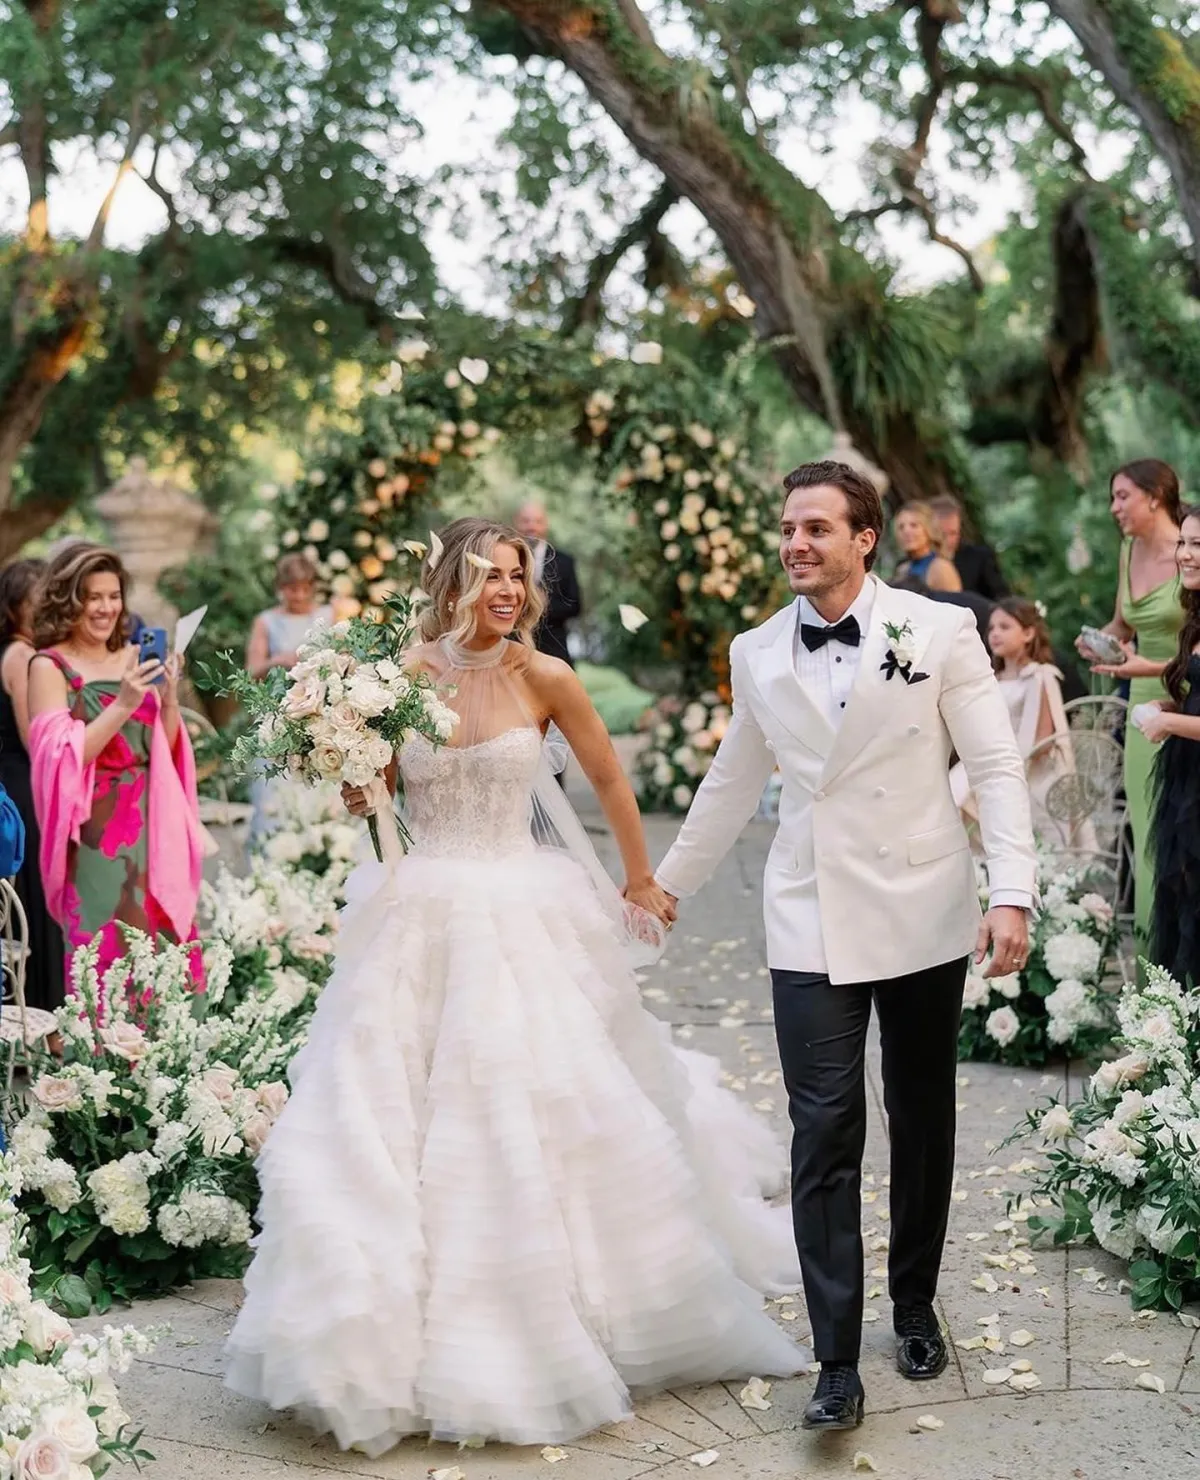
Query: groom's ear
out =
(866, 542)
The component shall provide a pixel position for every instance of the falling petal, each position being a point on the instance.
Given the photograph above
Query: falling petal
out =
(648, 352)
(632, 619)
(436, 550)
(476, 371)
(415, 547)
(480, 562)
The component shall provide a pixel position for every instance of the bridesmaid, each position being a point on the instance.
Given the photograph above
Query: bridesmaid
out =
(44, 970)
(114, 781)
(1147, 506)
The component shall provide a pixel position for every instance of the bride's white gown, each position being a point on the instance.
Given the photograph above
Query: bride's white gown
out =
(498, 1200)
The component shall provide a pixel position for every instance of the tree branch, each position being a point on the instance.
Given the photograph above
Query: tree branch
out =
(585, 310)
(1024, 79)
(333, 259)
(95, 238)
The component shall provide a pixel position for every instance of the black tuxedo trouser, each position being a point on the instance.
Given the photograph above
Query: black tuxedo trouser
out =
(822, 1033)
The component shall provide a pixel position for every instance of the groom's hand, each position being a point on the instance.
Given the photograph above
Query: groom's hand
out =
(1005, 932)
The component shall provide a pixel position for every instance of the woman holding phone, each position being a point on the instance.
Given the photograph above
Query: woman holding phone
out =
(1146, 504)
(114, 782)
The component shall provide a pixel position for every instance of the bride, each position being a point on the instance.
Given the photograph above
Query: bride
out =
(499, 1201)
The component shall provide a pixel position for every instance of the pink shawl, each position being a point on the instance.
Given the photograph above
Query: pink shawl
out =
(62, 796)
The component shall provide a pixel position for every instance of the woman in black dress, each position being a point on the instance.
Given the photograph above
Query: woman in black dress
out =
(44, 973)
(1175, 934)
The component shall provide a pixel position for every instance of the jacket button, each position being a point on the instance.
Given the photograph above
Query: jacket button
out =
(818, 796)
(880, 791)
(883, 852)
(914, 729)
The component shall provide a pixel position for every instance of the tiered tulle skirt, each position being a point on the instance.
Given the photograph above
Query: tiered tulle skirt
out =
(499, 1201)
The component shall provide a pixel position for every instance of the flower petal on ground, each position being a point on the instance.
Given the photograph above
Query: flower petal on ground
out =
(1151, 1383)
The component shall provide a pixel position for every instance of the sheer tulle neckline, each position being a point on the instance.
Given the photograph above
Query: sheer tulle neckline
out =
(464, 657)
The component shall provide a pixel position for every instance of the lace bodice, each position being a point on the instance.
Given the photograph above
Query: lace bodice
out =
(471, 801)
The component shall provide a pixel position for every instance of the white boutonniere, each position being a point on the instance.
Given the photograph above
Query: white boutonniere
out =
(902, 653)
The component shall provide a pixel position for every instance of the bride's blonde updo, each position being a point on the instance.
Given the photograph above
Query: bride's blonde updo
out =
(454, 583)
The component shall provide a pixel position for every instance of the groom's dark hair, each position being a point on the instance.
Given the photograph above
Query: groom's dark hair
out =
(864, 507)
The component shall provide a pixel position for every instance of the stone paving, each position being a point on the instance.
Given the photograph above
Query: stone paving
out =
(1086, 1418)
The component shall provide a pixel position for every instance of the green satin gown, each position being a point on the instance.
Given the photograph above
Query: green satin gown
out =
(1156, 618)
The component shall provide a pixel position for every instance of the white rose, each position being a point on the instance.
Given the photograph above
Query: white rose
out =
(44, 1329)
(977, 991)
(1098, 907)
(273, 1097)
(1003, 1025)
(220, 1083)
(255, 1130)
(305, 697)
(327, 760)
(345, 716)
(368, 694)
(126, 1040)
(74, 1430)
(1131, 1104)
(1106, 1079)
(42, 1458)
(1057, 1124)
(53, 1093)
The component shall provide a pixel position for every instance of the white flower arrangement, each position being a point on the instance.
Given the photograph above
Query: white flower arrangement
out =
(135, 1152)
(683, 741)
(60, 1413)
(1124, 1167)
(309, 830)
(1057, 1003)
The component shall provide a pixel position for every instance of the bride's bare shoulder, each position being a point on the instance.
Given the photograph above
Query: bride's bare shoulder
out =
(540, 670)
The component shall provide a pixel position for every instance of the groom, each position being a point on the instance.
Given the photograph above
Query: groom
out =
(858, 694)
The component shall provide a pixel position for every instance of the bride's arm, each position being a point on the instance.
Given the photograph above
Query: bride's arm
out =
(564, 700)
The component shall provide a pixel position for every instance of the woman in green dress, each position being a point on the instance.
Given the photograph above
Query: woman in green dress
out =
(1146, 503)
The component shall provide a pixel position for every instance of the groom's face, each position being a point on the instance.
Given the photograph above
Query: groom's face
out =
(820, 552)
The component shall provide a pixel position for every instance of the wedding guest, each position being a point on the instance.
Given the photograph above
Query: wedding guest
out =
(279, 631)
(919, 536)
(1175, 832)
(979, 607)
(274, 638)
(114, 781)
(1023, 661)
(977, 565)
(44, 968)
(554, 572)
(1146, 503)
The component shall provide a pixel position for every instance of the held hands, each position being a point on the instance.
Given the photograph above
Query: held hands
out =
(650, 896)
(1005, 930)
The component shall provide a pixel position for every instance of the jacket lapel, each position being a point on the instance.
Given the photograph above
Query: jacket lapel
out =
(861, 720)
(774, 672)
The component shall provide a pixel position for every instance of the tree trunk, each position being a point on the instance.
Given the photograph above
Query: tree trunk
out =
(26, 522)
(778, 234)
(1153, 73)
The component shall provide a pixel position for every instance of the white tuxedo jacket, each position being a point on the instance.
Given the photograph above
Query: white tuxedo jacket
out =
(868, 809)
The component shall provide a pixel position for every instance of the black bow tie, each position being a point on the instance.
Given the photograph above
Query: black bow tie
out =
(814, 638)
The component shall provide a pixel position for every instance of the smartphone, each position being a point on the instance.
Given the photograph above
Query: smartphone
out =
(1102, 645)
(152, 645)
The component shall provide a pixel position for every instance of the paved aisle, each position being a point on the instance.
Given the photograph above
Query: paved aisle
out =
(1086, 1421)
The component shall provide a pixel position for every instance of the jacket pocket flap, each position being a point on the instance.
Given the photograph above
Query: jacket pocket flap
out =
(926, 847)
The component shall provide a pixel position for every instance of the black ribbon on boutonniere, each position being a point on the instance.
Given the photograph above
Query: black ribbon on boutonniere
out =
(892, 665)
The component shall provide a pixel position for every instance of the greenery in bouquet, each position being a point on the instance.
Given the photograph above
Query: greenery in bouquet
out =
(309, 830)
(683, 740)
(1124, 1168)
(1058, 1004)
(60, 1413)
(278, 925)
(346, 706)
(135, 1149)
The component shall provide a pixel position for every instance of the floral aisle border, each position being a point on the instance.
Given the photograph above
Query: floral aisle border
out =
(1125, 1165)
(1058, 1004)
(60, 1413)
(136, 1151)
(683, 741)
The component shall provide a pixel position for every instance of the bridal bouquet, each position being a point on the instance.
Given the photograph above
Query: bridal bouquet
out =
(343, 711)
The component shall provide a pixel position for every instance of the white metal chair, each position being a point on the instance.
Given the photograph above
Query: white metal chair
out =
(20, 1026)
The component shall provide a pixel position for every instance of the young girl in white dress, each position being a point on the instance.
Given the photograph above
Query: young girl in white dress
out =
(499, 1201)
(1019, 641)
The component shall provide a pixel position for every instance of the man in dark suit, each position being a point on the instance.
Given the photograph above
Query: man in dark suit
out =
(554, 571)
(979, 606)
(977, 564)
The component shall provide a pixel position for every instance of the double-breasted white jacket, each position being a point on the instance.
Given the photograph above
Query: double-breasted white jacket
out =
(866, 812)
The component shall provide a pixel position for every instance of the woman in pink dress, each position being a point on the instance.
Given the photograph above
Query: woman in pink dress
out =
(114, 780)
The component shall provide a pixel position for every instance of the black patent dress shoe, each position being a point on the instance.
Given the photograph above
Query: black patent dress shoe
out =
(921, 1349)
(837, 1402)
